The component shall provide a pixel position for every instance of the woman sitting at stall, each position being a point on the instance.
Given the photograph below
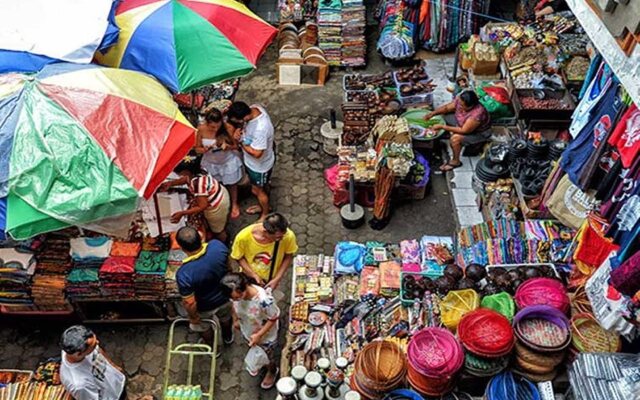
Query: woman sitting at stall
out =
(220, 157)
(210, 197)
(468, 122)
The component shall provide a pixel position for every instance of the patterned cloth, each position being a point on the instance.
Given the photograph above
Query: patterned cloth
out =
(150, 262)
(118, 265)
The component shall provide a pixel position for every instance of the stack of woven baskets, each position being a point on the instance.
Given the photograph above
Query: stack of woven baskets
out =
(380, 367)
(435, 360)
(488, 339)
(543, 334)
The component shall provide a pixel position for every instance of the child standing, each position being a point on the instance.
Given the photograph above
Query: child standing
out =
(256, 314)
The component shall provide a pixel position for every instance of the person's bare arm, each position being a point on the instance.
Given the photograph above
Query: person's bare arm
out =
(246, 269)
(251, 151)
(444, 109)
(470, 125)
(191, 306)
(199, 147)
(256, 337)
(201, 204)
(183, 180)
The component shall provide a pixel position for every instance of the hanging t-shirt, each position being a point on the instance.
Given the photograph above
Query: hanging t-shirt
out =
(575, 157)
(626, 136)
(627, 182)
(594, 93)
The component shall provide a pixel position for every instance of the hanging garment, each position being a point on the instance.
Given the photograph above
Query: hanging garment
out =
(575, 157)
(595, 92)
(626, 136)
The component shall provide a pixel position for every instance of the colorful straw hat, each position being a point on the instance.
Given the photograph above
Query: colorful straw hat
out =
(486, 333)
(543, 291)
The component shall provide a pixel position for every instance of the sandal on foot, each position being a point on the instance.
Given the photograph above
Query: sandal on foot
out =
(253, 210)
(272, 384)
(449, 167)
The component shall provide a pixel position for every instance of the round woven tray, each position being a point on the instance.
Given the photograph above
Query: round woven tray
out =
(541, 359)
(456, 304)
(542, 335)
(589, 337)
(429, 386)
(580, 302)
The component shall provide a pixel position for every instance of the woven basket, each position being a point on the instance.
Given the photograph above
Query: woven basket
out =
(484, 367)
(580, 302)
(589, 337)
(456, 304)
(486, 333)
(542, 328)
(537, 378)
(501, 302)
(379, 368)
(543, 291)
(532, 368)
(540, 359)
(507, 386)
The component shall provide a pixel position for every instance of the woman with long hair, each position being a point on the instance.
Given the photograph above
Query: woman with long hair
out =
(220, 156)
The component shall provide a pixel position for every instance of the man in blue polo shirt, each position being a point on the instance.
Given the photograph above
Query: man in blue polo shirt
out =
(198, 280)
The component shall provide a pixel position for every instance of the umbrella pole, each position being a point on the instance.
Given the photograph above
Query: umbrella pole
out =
(157, 208)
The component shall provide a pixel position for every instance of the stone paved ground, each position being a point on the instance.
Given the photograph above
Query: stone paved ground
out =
(299, 192)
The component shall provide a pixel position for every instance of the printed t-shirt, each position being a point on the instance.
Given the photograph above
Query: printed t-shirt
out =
(254, 313)
(258, 133)
(93, 378)
(626, 136)
(206, 185)
(574, 158)
(258, 255)
(200, 275)
(596, 90)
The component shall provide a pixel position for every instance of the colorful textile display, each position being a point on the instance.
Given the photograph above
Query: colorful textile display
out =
(150, 275)
(169, 40)
(445, 23)
(124, 122)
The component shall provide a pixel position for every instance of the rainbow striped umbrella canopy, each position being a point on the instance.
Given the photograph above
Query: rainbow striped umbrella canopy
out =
(187, 44)
(80, 143)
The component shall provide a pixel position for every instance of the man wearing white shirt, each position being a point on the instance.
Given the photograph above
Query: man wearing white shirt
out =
(255, 134)
(86, 371)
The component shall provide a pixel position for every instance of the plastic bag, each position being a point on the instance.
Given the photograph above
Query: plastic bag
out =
(255, 360)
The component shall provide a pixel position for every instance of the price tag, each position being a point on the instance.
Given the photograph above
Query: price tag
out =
(546, 391)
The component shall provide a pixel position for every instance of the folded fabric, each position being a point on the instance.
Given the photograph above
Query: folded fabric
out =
(83, 275)
(151, 262)
(11, 258)
(118, 265)
(125, 249)
(410, 250)
(86, 248)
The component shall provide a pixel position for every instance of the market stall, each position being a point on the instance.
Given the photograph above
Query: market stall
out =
(41, 384)
(364, 317)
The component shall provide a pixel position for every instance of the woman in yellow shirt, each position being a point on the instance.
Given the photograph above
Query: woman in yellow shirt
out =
(254, 247)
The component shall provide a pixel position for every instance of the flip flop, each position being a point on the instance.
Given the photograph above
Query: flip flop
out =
(253, 210)
(275, 378)
(449, 167)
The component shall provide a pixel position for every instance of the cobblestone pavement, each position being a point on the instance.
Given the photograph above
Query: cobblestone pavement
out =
(299, 192)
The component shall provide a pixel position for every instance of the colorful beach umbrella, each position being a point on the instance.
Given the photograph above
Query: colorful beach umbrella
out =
(81, 143)
(187, 44)
(34, 33)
